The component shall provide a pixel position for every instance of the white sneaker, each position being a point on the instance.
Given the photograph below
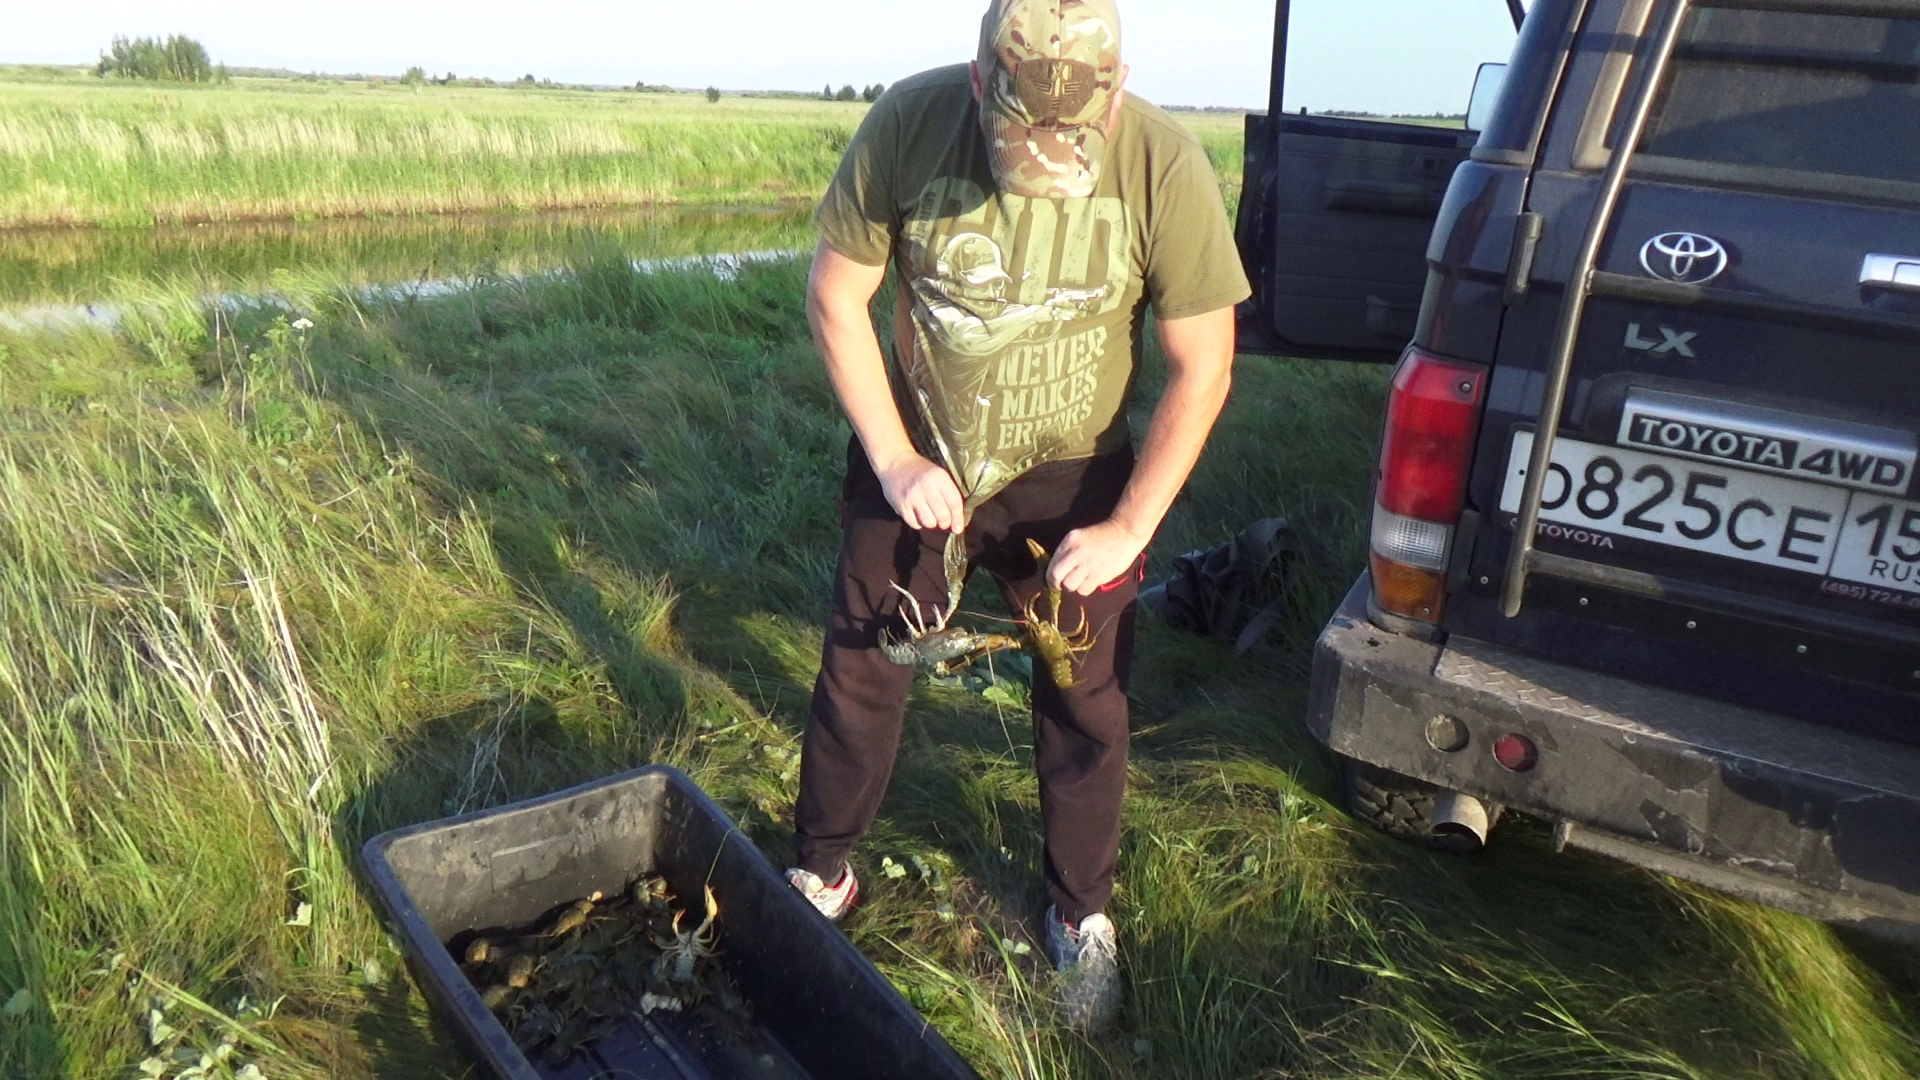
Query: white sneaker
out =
(833, 901)
(1088, 960)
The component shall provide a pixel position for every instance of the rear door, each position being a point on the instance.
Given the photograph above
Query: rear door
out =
(1338, 208)
(1742, 427)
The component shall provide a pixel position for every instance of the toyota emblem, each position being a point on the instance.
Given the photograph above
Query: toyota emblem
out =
(1684, 258)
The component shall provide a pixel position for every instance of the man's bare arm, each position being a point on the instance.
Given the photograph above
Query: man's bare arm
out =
(839, 291)
(1200, 364)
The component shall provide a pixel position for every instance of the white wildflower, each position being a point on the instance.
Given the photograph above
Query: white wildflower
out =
(159, 1032)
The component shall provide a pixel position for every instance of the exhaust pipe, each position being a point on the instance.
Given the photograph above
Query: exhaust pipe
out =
(1460, 815)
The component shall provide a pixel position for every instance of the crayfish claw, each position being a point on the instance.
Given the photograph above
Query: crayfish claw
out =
(1045, 562)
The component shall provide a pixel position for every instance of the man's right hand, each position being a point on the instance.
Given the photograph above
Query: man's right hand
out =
(922, 493)
(839, 291)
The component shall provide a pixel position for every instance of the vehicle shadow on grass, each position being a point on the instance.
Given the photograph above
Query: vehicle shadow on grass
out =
(30, 1043)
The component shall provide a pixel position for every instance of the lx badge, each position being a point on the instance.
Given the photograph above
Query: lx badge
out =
(1671, 341)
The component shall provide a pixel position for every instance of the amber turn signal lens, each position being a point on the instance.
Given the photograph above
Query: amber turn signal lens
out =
(1408, 591)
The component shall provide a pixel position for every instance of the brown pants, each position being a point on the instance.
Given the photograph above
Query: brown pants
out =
(859, 702)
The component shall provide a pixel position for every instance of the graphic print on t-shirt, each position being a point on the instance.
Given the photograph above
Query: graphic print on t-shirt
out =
(1009, 303)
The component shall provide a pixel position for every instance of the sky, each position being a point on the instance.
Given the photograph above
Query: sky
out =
(1383, 56)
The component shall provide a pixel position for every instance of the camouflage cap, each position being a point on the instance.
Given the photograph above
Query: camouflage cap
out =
(1049, 70)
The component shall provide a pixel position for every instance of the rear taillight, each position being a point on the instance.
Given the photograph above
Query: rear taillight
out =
(1431, 418)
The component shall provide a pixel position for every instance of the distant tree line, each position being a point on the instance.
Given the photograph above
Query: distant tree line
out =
(416, 76)
(182, 59)
(177, 59)
(1351, 114)
(848, 93)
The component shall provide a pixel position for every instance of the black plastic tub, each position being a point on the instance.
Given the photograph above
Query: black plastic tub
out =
(826, 1011)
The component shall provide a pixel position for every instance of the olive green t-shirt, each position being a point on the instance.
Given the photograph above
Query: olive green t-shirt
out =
(1025, 313)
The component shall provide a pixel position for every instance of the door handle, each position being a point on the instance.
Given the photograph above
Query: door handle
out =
(1891, 272)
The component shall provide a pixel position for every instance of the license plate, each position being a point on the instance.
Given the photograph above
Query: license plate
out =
(1604, 492)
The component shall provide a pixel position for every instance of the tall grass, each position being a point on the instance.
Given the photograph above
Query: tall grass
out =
(118, 154)
(1224, 136)
(127, 154)
(265, 591)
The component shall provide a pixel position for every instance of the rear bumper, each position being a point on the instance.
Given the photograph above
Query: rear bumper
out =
(1781, 811)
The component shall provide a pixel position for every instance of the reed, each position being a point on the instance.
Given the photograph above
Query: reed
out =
(112, 153)
(120, 154)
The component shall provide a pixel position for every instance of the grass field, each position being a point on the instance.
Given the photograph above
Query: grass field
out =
(267, 589)
(84, 152)
(120, 153)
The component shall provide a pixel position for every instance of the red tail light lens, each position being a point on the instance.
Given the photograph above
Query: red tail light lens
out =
(1515, 753)
(1431, 417)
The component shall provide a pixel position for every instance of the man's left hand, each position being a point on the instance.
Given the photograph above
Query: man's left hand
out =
(1094, 556)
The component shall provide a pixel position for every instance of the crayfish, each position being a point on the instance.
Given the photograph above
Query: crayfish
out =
(686, 948)
(575, 976)
(935, 645)
(1054, 646)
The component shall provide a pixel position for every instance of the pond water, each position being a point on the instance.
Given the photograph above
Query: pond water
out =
(62, 268)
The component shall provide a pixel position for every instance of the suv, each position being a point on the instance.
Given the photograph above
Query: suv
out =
(1645, 552)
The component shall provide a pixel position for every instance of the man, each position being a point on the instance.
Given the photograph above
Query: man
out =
(1031, 211)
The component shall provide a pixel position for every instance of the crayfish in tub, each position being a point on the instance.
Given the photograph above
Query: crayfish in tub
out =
(569, 979)
(686, 948)
(1053, 645)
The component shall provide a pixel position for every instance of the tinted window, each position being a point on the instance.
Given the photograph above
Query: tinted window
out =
(1833, 94)
(1515, 125)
